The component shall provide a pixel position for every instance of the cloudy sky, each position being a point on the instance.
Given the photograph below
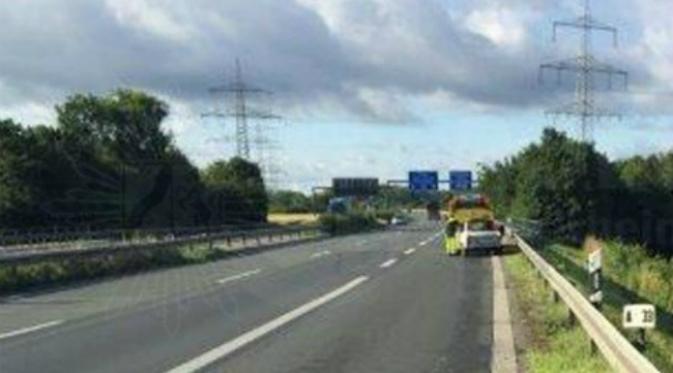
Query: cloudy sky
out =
(366, 87)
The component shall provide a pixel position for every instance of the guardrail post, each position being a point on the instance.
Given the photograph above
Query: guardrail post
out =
(210, 239)
(571, 318)
(243, 238)
(641, 338)
(555, 297)
(228, 241)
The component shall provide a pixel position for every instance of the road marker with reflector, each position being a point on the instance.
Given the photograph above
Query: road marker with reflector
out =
(640, 317)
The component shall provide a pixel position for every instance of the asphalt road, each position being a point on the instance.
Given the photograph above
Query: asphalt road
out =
(381, 302)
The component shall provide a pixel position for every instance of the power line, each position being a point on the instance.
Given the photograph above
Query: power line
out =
(266, 147)
(242, 111)
(586, 67)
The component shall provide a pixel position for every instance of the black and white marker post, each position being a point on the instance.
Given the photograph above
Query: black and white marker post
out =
(594, 266)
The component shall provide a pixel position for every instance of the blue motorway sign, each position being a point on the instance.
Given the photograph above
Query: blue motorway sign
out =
(423, 181)
(460, 180)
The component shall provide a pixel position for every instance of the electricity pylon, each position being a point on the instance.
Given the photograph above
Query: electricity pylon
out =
(586, 67)
(240, 90)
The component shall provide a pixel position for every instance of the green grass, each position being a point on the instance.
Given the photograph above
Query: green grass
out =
(556, 345)
(630, 276)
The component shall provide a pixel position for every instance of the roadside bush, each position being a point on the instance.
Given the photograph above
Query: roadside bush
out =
(647, 276)
(385, 215)
(337, 224)
(25, 276)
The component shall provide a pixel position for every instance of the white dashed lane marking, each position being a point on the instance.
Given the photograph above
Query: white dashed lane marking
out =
(320, 254)
(227, 348)
(239, 276)
(388, 263)
(30, 329)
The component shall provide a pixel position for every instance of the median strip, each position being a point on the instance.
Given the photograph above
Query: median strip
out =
(30, 329)
(227, 348)
(388, 263)
(239, 276)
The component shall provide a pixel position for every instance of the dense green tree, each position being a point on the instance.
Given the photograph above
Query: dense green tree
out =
(108, 162)
(15, 193)
(236, 191)
(287, 201)
(565, 184)
(572, 190)
(122, 127)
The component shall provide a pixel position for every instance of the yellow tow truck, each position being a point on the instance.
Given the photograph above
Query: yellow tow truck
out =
(471, 226)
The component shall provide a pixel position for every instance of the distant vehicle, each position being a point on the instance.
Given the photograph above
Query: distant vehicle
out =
(471, 226)
(432, 209)
(398, 220)
(338, 206)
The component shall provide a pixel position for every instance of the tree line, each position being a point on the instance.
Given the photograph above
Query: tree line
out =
(387, 198)
(573, 191)
(108, 162)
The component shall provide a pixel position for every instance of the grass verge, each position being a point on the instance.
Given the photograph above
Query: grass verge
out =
(630, 276)
(555, 345)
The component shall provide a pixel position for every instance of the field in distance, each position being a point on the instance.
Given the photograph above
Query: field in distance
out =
(289, 219)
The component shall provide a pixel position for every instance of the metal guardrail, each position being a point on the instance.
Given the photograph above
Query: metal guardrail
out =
(59, 236)
(70, 250)
(617, 350)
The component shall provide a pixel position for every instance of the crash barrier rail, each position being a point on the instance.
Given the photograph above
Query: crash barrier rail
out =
(29, 254)
(64, 235)
(617, 350)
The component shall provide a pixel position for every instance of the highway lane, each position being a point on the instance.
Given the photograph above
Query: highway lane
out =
(429, 313)
(156, 321)
(133, 290)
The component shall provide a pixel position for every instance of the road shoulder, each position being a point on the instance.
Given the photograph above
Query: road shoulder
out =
(504, 357)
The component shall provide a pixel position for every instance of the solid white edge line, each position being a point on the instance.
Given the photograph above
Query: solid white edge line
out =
(503, 355)
(239, 276)
(388, 263)
(227, 348)
(30, 329)
(409, 251)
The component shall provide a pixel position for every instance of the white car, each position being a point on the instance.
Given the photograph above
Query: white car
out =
(398, 221)
(480, 235)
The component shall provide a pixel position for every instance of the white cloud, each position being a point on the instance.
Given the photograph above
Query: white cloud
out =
(658, 38)
(29, 112)
(500, 25)
(150, 16)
